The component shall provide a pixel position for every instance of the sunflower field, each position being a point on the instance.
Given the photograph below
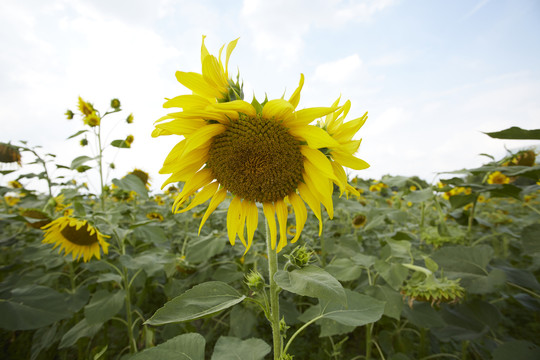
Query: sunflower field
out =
(394, 268)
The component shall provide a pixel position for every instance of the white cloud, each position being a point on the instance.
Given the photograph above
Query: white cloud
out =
(339, 71)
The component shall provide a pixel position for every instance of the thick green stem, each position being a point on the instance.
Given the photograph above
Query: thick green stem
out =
(129, 315)
(100, 163)
(369, 329)
(274, 296)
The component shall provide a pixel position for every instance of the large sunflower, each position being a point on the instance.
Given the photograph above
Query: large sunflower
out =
(260, 153)
(75, 236)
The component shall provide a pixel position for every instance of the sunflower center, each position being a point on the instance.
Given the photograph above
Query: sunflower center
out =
(79, 237)
(256, 159)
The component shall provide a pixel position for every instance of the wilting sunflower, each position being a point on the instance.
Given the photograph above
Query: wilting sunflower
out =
(75, 237)
(260, 153)
(9, 154)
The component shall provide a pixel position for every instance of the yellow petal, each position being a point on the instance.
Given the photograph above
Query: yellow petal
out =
(312, 202)
(185, 101)
(239, 106)
(242, 222)
(348, 160)
(300, 213)
(204, 50)
(230, 49)
(182, 126)
(278, 109)
(252, 222)
(306, 116)
(197, 181)
(349, 129)
(214, 75)
(319, 160)
(321, 187)
(202, 136)
(295, 97)
(196, 83)
(216, 200)
(202, 196)
(316, 137)
(269, 213)
(281, 212)
(233, 217)
(349, 147)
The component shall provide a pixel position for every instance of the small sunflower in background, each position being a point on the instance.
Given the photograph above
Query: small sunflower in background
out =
(497, 177)
(154, 216)
(76, 237)
(359, 221)
(143, 175)
(266, 153)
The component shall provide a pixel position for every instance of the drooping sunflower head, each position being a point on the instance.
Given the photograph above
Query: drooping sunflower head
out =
(76, 237)
(35, 218)
(143, 175)
(9, 154)
(265, 154)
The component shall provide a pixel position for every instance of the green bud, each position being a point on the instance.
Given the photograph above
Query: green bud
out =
(84, 142)
(255, 281)
(115, 104)
(69, 114)
(300, 256)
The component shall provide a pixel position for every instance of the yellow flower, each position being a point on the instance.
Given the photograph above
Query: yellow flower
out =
(498, 178)
(11, 200)
(85, 108)
(14, 184)
(412, 188)
(92, 119)
(159, 200)
(154, 215)
(377, 187)
(260, 153)
(76, 237)
(343, 153)
(129, 140)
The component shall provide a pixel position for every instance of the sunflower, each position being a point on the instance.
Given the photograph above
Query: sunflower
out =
(75, 236)
(9, 154)
(260, 153)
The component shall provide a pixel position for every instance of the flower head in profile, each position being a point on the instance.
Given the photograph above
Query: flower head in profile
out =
(265, 154)
(9, 154)
(76, 237)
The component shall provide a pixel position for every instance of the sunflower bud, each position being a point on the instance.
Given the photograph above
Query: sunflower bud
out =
(84, 142)
(129, 140)
(255, 281)
(129, 119)
(115, 104)
(69, 114)
(300, 256)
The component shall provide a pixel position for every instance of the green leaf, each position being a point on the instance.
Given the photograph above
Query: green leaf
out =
(42, 340)
(32, 307)
(120, 144)
(516, 350)
(423, 315)
(242, 321)
(530, 239)
(360, 310)
(516, 133)
(393, 299)
(200, 301)
(182, 347)
(344, 269)
(231, 348)
(311, 281)
(419, 195)
(80, 330)
(103, 306)
(79, 161)
(77, 134)
(202, 248)
(131, 182)
(394, 274)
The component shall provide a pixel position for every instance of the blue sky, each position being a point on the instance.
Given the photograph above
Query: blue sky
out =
(433, 75)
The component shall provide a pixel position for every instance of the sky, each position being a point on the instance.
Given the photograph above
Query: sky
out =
(433, 75)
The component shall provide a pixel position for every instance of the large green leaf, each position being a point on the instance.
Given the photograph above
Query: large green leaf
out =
(516, 350)
(516, 133)
(393, 273)
(80, 160)
(360, 310)
(103, 306)
(80, 330)
(202, 300)
(32, 307)
(182, 347)
(231, 348)
(311, 281)
(131, 182)
(344, 269)
(202, 248)
(419, 196)
(530, 239)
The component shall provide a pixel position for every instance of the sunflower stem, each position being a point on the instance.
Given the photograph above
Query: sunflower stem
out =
(274, 296)
(100, 163)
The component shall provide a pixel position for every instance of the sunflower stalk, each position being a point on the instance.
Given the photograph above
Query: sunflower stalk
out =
(274, 296)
